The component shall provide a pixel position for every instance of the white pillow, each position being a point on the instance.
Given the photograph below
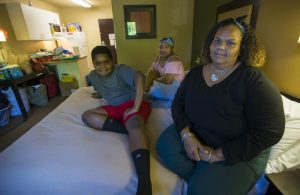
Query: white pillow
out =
(286, 160)
(286, 153)
(290, 136)
(286, 106)
(291, 108)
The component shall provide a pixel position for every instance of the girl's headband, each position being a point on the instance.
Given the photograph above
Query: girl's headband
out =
(167, 40)
(239, 25)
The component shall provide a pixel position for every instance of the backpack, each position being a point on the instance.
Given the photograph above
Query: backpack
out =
(52, 87)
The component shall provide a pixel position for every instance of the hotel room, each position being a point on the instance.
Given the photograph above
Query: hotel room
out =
(61, 155)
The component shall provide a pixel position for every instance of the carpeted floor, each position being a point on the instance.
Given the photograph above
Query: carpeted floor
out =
(17, 127)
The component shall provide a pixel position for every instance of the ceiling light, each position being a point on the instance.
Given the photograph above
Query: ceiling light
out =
(83, 3)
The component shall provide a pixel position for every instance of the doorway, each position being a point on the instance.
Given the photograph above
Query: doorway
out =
(107, 35)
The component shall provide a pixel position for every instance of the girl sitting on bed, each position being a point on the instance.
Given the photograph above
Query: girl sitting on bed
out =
(166, 72)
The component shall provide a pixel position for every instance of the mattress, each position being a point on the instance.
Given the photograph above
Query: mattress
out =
(61, 155)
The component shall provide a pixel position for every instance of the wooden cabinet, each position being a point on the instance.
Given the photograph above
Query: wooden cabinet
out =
(31, 23)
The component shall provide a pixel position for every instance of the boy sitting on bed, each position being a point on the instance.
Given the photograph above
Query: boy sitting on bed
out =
(122, 87)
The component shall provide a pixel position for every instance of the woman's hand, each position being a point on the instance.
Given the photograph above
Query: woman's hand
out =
(191, 146)
(166, 79)
(210, 155)
(153, 74)
(205, 153)
(197, 151)
(190, 143)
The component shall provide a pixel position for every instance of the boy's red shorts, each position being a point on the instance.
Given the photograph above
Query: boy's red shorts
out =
(117, 112)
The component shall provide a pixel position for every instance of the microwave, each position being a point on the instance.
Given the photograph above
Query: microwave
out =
(56, 28)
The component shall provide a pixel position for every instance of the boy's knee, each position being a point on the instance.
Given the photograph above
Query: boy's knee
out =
(85, 116)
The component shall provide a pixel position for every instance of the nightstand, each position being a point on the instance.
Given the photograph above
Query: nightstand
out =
(286, 182)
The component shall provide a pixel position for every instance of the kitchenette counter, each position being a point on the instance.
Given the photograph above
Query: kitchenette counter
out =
(66, 60)
(77, 67)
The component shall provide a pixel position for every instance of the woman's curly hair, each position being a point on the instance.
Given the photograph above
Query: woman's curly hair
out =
(252, 53)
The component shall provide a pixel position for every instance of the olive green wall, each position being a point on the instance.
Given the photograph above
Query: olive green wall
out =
(204, 18)
(278, 26)
(174, 18)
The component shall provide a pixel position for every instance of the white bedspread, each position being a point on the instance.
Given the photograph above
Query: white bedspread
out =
(61, 155)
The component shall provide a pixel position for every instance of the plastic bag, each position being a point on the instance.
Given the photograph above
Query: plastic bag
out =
(37, 95)
(15, 109)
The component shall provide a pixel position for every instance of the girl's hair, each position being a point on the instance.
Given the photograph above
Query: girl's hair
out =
(101, 50)
(252, 52)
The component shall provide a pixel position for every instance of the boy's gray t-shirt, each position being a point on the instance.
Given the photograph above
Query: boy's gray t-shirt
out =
(116, 88)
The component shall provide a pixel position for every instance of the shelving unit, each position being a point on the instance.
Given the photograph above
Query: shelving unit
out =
(13, 83)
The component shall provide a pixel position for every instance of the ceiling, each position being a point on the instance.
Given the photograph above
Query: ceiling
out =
(70, 3)
(67, 3)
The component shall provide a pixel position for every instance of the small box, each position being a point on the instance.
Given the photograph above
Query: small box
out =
(68, 87)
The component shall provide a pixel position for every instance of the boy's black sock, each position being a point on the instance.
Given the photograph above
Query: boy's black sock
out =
(113, 125)
(141, 159)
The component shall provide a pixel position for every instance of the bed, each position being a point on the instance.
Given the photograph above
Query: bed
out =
(61, 155)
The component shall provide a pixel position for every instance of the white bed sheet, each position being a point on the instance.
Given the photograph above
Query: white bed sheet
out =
(285, 155)
(61, 155)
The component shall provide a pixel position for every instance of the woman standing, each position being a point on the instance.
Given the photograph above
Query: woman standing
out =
(227, 114)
